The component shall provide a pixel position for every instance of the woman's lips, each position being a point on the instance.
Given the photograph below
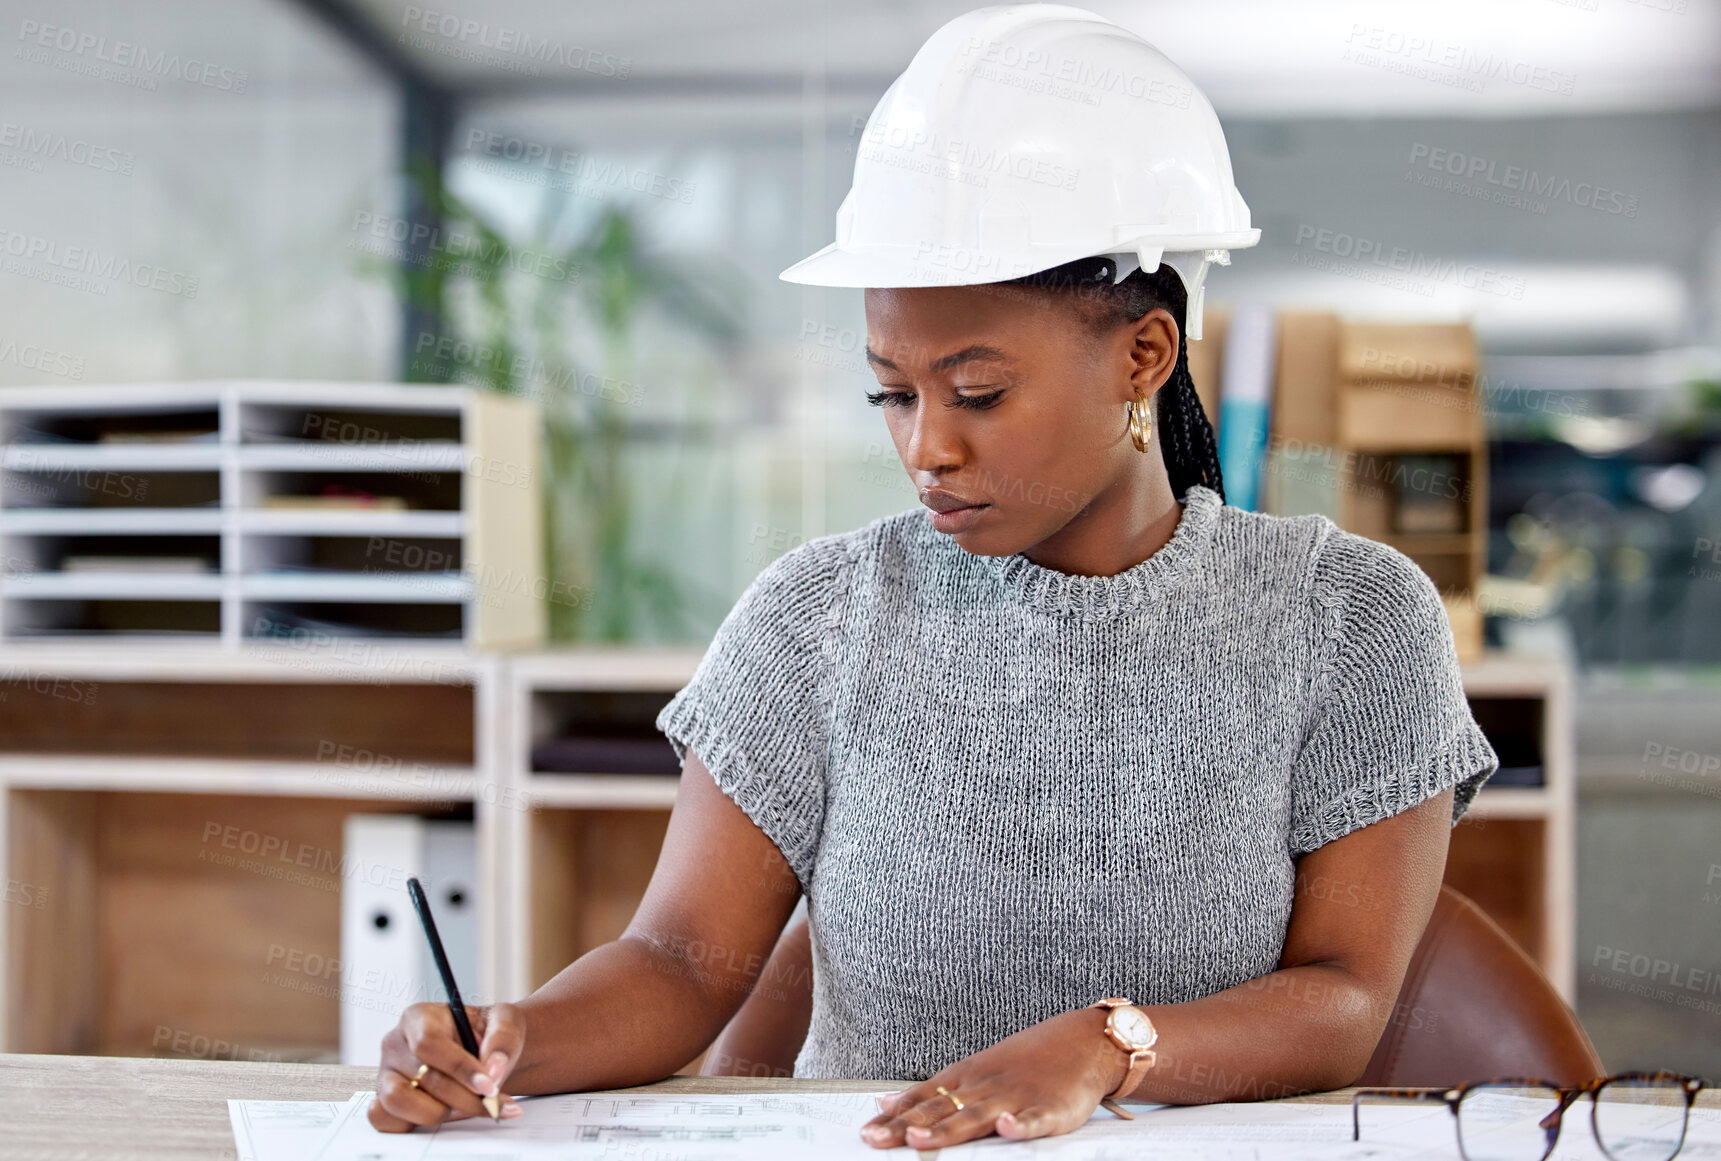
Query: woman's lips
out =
(957, 519)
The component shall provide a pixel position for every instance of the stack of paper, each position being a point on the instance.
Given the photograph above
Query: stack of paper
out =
(793, 1125)
(284, 1130)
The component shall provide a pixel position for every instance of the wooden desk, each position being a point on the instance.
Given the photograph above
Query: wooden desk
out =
(81, 1108)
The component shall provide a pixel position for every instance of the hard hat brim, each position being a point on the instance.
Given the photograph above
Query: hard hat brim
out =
(892, 266)
(912, 266)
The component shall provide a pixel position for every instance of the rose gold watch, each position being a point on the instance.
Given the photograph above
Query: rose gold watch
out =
(1129, 1028)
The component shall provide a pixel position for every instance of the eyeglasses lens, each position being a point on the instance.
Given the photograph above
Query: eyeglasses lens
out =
(1640, 1120)
(1508, 1122)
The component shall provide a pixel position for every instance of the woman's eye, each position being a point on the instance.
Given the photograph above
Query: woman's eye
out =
(889, 398)
(905, 398)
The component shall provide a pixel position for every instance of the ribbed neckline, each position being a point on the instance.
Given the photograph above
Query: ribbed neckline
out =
(1095, 597)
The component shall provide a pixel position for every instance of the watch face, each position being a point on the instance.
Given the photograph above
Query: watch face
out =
(1133, 1026)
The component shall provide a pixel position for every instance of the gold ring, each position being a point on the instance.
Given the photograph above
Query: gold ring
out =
(419, 1075)
(959, 1105)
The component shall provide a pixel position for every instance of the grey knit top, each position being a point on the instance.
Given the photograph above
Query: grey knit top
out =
(1009, 791)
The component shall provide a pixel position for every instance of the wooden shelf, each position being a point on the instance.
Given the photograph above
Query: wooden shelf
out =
(1353, 402)
(177, 818)
(179, 912)
(598, 834)
(1382, 421)
(1515, 851)
(355, 523)
(256, 661)
(1430, 543)
(1515, 802)
(590, 869)
(256, 720)
(602, 791)
(149, 461)
(451, 783)
(657, 669)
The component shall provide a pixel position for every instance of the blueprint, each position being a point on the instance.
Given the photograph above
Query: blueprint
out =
(794, 1125)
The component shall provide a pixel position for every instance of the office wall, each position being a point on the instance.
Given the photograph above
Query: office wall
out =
(178, 194)
(1626, 191)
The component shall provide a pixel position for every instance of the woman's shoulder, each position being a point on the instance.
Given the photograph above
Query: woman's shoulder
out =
(1330, 559)
(899, 536)
(822, 570)
(1363, 599)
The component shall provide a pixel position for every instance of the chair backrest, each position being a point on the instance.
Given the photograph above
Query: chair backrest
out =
(1473, 1006)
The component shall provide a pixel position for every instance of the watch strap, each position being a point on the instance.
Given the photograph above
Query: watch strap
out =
(1140, 1059)
(1139, 1062)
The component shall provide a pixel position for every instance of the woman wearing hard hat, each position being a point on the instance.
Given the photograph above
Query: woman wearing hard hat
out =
(1095, 786)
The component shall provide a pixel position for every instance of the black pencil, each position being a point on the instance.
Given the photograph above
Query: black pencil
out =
(492, 1104)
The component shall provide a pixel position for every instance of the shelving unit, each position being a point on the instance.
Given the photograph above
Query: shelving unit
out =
(175, 817)
(582, 748)
(226, 512)
(1515, 852)
(1207, 359)
(1379, 426)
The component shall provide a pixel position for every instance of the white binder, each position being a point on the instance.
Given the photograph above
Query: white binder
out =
(385, 960)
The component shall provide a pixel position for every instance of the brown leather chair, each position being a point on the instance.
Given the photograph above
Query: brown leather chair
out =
(1473, 1006)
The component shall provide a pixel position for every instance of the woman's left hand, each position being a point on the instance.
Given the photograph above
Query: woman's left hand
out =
(1042, 1081)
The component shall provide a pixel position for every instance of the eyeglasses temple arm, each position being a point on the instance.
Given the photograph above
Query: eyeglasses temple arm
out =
(1404, 1095)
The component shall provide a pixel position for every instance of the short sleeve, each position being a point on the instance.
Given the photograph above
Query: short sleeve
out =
(1389, 726)
(756, 708)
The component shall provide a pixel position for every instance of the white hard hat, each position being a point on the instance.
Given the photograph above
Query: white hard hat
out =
(1025, 136)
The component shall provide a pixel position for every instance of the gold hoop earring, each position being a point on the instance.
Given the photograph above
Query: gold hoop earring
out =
(1140, 425)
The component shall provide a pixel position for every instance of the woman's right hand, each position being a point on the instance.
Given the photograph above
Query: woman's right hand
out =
(452, 1087)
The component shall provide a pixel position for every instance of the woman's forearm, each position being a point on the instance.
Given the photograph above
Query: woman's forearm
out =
(1312, 1026)
(1300, 1029)
(636, 1009)
(628, 1012)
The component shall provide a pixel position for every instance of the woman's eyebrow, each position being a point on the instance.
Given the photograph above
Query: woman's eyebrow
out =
(970, 354)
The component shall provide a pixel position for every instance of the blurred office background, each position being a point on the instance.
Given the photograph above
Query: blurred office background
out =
(305, 178)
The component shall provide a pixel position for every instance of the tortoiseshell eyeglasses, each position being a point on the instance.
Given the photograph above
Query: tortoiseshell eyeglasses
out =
(1636, 1116)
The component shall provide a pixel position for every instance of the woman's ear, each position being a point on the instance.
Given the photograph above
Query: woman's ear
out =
(1153, 351)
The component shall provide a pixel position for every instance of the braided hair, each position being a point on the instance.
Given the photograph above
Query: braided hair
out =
(1186, 439)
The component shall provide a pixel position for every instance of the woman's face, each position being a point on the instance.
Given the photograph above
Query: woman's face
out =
(1001, 398)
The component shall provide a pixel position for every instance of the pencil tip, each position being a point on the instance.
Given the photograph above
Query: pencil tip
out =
(493, 1106)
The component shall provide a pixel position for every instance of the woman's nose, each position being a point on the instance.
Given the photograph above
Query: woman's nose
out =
(934, 442)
